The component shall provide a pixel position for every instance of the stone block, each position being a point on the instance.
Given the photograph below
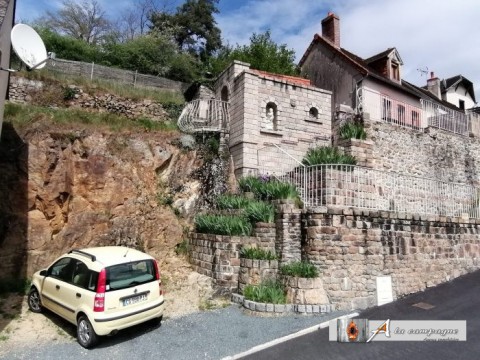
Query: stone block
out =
(270, 308)
(279, 308)
(260, 307)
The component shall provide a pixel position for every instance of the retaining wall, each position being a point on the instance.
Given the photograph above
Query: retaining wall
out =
(353, 247)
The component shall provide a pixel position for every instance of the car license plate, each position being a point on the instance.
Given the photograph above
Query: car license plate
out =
(134, 300)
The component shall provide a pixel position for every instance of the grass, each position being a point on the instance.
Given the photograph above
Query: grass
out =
(327, 155)
(299, 269)
(269, 291)
(257, 254)
(223, 225)
(25, 115)
(123, 90)
(232, 202)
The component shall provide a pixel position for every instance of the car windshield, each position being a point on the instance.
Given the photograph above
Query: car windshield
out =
(123, 276)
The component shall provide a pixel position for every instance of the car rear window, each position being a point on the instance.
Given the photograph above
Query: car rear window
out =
(123, 276)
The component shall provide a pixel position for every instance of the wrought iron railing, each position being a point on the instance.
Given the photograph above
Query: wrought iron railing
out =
(204, 115)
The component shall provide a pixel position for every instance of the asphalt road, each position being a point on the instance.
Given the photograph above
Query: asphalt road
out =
(211, 334)
(456, 300)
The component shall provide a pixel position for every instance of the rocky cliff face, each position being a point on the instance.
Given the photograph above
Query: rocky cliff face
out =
(71, 188)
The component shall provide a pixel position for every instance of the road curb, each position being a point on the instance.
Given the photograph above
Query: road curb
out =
(287, 337)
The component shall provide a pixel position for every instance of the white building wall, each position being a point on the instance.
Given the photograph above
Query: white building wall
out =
(453, 96)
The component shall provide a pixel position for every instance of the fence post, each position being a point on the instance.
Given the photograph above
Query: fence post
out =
(91, 73)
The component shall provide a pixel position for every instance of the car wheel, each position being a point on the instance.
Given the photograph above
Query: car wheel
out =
(85, 334)
(34, 302)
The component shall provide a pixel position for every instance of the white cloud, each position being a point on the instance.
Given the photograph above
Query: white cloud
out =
(442, 35)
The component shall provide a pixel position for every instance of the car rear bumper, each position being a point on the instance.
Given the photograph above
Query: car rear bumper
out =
(105, 324)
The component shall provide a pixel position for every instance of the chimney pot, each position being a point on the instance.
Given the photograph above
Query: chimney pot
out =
(432, 74)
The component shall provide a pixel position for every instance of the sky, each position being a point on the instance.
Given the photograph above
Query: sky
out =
(440, 36)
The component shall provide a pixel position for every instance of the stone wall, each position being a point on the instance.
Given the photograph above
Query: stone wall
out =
(25, 90)
(430, 153)
(353, 247)
(301, 116)
(218, 256)
(254, 272)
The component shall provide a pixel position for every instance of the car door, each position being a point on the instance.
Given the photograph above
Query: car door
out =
(80, 291)
(55, 286)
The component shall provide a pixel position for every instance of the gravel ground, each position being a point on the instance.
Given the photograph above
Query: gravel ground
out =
(211, 334)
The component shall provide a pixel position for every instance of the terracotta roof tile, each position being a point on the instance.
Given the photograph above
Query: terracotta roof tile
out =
(287, 78)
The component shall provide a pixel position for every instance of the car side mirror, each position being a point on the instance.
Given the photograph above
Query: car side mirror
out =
(43, 273)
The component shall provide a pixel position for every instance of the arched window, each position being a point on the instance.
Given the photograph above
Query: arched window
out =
(313, 112)
(224, 94)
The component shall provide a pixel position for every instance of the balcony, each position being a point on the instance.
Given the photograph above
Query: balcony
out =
(427, 114)
(204, 116)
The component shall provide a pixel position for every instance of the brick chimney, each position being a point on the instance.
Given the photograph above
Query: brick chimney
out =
(433, 85)
(331, 29)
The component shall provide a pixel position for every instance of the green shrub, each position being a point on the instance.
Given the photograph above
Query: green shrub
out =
(299, 269)
(257, 254)
(269, 291)
(266, 188)
(327, 155)
(352, 130)
(223, 225)
(259, 211)
(249, 183)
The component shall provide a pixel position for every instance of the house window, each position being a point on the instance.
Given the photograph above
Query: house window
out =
(401, 114)
(386, 109)
(461, 104)
(415, 119)
(395, 72)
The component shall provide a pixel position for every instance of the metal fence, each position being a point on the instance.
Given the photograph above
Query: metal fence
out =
(384, 108)
(359, 187)
(446, 119)
(204, 115)
(94, 71)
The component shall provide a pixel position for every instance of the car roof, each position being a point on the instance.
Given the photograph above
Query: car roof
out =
(99, 257)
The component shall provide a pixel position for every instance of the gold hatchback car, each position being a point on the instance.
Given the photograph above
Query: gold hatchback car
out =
(101, 290)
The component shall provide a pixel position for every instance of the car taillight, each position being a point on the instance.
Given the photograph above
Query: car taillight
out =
(99, 301)
(157, 276)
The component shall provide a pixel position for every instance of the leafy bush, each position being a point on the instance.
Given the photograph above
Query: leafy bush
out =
(257, 254)
(327, 155)
(353, 130)
(223, 225)
(300, 269)
(269, 291)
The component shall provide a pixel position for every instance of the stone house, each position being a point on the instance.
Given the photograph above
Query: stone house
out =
(7, 16)
(264, 117)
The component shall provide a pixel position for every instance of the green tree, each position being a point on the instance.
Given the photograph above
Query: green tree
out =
(66, 47)
(193, 26)
(262, 54)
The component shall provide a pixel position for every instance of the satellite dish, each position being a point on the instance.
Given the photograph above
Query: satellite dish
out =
(29, 47)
